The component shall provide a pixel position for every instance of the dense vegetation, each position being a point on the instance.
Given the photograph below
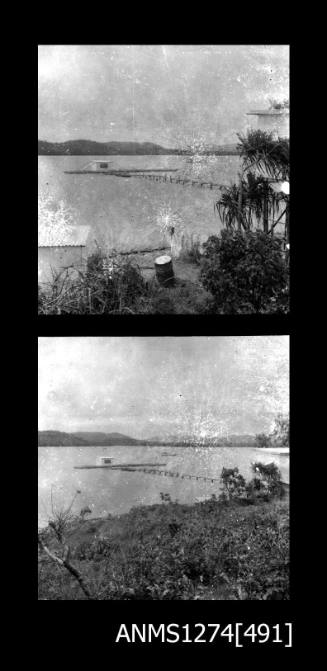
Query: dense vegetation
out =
(232, 547)
(239, 273)
(106, 286)
(253, 201)
(280, 434)
(246, 272)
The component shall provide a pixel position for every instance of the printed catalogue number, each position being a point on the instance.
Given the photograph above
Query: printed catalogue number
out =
(237, 634)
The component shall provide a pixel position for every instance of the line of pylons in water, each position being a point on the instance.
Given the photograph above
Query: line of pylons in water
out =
(184, 181)
(171, 474)
(152, 176)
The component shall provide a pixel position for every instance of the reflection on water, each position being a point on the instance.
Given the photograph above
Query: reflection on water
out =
(114, 491)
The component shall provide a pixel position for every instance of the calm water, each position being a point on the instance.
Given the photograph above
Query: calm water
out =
(122, 212)
(109, 491)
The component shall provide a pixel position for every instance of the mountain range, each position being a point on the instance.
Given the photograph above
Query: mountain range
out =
(92, 148)
(94, 439)
(83, 438)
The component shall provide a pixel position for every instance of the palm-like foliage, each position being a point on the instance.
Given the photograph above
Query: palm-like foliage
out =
(264, 158)
(227, 206)
(263, 151)
(255, 193)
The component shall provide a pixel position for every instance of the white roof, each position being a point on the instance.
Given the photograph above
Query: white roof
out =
(75, 236)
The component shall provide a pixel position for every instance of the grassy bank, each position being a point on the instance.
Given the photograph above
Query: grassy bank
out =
(170, 551)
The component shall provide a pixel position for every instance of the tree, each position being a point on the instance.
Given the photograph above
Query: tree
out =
(266, 482)
(262, 440)
(264, 158)
(234, 486)
(281, 430)
(260, 150)
(246, 272)
(259, 202)
(58, 527)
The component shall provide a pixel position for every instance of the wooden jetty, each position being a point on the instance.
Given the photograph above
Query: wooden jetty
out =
(184, 181)
(118, 172)
(113, 466)
(176, 474)
(152, 174)
(152, 469)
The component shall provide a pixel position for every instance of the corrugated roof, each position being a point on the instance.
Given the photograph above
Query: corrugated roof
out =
(73, 237)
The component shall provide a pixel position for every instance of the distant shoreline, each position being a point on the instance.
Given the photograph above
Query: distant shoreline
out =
(91, 148)
(174, 445)
(53, 438)
(222, 152)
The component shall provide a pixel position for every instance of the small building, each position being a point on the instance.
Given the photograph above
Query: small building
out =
(98, 166)
(60, 251)
(103, 461)
(273, 120)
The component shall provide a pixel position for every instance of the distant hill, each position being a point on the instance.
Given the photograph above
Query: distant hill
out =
(97, 438)
(91, 148)
(59, 438)
(226, 149)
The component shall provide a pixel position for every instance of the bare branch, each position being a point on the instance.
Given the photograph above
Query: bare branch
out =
(66, 564)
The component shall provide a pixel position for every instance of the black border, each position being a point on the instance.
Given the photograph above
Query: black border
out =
(156, 612)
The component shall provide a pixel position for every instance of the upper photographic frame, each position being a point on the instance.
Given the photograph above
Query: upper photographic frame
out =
(163, 180)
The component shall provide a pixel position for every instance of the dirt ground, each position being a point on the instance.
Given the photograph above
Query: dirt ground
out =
(186, 296)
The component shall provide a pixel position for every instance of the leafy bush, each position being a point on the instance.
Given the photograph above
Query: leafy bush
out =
(233, 484)
(266, 482)
(263, 440)
(281, 430)
(246, 272)
(109, 285)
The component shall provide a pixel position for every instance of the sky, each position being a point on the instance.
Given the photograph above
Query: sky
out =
(156, 93)
(160, 386)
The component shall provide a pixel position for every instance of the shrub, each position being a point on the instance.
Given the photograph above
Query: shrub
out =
(263, 440)
(266, 482)
(246, 272)
(109, 285)
(281, 430)
(233, 484)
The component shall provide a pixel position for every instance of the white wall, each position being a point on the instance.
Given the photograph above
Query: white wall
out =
(54, 259)
(277, 123)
